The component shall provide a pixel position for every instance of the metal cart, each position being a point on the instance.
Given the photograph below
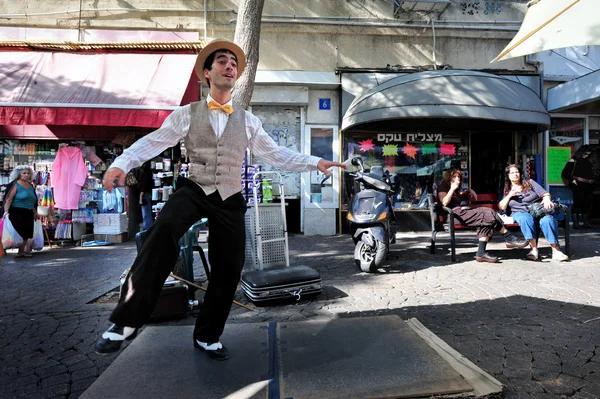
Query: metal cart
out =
(267, 253)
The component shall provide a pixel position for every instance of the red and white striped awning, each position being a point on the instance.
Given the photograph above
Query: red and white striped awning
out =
(137, 90)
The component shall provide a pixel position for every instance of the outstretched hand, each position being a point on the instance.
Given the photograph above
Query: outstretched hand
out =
(112, 175)
(324, 166)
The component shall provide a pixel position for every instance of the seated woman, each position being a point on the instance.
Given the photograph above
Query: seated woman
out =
(519, 193)
(485, 219)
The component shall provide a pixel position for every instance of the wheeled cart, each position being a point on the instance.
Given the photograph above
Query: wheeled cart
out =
(280, 281)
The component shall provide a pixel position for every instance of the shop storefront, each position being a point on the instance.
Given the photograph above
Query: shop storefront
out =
(575, 110)
(300, 111)
(419, 125)
(91, 105)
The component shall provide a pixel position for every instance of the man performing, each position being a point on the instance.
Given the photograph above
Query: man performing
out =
(216, 132)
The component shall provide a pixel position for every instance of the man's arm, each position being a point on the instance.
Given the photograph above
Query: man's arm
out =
(173, 129)
(266, 148)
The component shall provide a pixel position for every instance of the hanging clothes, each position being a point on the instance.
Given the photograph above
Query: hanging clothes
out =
(112, 202)
(69, 175)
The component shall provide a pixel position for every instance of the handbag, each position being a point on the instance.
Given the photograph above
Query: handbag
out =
(537, 210)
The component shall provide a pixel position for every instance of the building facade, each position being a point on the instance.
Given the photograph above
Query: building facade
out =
(321, 61)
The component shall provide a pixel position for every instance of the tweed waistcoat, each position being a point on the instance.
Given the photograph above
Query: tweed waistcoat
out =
(216, 165)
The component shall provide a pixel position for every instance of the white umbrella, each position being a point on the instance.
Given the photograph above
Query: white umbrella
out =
(551, 24)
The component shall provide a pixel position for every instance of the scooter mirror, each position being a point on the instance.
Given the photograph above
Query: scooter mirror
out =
(325, 179)
(353, 165)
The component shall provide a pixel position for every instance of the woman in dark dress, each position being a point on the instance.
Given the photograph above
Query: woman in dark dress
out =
(21, 206)
(486, 220)
(578, 175)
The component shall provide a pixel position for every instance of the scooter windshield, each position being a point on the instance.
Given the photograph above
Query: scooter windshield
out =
(377, 184)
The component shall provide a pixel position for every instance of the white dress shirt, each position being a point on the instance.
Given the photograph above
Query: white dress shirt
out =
(177, 125)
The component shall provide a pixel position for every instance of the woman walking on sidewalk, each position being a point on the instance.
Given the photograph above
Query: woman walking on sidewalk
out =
(21, 206)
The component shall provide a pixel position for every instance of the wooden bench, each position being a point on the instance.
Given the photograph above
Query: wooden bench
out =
(443, 220)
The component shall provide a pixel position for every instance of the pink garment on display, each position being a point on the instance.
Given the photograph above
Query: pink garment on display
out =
(68, 174)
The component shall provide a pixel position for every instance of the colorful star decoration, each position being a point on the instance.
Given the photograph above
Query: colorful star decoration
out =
(429, 148)
(366, 145)
(447, 149)
(410, 151)
(390, 150)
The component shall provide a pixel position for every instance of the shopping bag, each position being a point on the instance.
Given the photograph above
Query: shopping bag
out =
(38, 236)
(10, 237)
(2, 252)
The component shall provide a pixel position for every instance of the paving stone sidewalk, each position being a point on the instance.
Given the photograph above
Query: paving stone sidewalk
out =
(532, 325)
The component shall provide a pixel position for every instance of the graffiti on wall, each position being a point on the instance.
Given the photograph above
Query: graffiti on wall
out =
(492, 7)
(288, 137)
(487, 7)
(283, 125)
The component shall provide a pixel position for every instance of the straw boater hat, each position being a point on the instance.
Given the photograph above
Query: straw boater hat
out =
(219, 44)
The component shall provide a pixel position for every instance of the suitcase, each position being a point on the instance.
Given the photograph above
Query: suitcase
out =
(174, 296)
(281, 281)
(172, 303)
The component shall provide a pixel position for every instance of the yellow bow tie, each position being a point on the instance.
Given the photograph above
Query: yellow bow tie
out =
(213, 105)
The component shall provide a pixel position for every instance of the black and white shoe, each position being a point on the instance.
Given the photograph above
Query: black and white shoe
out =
(216, 351)
(112, 339)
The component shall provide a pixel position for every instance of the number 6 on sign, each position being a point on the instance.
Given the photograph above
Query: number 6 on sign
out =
(324, 103)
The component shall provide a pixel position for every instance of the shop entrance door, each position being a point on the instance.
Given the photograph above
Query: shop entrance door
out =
(490, 153)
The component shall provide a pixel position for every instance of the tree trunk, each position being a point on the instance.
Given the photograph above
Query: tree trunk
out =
(247, 36)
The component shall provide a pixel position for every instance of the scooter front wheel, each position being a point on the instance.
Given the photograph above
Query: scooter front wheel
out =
(369, 259)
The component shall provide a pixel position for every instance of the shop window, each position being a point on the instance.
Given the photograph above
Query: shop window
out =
(418, 160)
(527, 144)
(564, 138)
(594, 130)
(567, 132)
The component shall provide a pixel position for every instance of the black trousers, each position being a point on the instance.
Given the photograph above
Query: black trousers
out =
(583, 198)
(160, 248)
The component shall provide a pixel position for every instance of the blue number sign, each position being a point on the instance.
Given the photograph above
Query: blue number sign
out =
(324, 103)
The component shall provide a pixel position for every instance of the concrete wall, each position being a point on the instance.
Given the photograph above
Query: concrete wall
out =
(316, 116)
(310, 35)
(565, 64)
(319, 221)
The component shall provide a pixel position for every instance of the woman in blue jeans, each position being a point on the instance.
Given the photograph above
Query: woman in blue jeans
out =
(519, 193)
